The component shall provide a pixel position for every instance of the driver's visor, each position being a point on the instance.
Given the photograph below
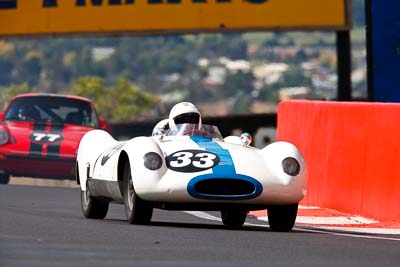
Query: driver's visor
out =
(192, 118)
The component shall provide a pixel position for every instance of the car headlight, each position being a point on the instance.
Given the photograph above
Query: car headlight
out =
(291, 166)
(3, 136)
(152, 161)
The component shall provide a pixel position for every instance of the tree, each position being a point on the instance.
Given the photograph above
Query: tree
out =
(6, 68)
(129, 101)
(242, 103)
(269, 93)
(9, 92)
(238, 82)
(31, 71)
(121, 102)
(6, 65)
(295, 77)
(231, 45)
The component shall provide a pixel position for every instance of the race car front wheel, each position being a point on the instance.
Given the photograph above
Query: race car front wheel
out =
(233, 218)
(93, 208)
(282, 218)
(137, 210)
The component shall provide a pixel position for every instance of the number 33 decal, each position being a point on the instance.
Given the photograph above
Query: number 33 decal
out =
(192, 160)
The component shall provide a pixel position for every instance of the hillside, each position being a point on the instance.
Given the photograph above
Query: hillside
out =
(237, 68)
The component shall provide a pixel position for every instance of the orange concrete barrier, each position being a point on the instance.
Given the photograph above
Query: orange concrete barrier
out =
(352, 150)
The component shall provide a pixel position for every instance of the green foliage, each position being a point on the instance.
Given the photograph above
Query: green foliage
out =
(269, 93)
(327, 60)
(122, 101)
(242, 103)
(9, 92)
(237, 82)
(90, 87)
(5, 71)
(295, 77)
(56, 63)
(233, 46)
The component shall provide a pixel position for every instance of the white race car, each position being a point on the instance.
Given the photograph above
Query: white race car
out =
(191, 169)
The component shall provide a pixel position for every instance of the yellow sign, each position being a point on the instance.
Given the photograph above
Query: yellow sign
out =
(49, 17)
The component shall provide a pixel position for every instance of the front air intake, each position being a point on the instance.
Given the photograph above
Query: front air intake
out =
(224, 187)
(239, 187)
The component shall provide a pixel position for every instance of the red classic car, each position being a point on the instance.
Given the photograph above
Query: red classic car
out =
(40, 135)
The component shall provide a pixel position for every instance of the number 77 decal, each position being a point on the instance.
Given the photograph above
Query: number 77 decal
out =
(45, 137)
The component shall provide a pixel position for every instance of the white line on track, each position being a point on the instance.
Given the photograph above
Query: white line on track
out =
(309, 207)
(204, 215)
(207, 216)
(322, 230)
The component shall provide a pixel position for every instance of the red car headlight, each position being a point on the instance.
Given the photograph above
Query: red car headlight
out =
(3, 136)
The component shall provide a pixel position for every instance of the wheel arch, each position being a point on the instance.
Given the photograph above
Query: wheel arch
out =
(122, 161)
(78, 181)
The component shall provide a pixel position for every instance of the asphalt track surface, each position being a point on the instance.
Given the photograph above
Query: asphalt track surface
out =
(43, 226)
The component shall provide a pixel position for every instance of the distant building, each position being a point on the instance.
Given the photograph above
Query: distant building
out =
(102, 53)
(270, 73)
(294, 93)
(216, 76)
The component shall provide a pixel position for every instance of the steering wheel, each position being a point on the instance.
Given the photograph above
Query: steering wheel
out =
(198, 133)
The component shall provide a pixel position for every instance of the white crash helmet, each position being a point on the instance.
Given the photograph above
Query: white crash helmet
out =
(184, 112)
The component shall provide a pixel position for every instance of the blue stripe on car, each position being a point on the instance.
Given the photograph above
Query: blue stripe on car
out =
(226, 166)
(225, 169)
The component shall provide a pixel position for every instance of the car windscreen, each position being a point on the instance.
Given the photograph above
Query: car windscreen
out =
(58, 110)
(205, 130)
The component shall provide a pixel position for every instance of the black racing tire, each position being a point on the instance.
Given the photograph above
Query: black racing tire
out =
(137, 210)
(282, 218)
(93, 208)
(233, 218)
(4, 178)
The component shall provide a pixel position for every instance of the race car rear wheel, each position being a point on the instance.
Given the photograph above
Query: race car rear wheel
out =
(282, 218)
(137, 210)
(93, 208)
(233, 218)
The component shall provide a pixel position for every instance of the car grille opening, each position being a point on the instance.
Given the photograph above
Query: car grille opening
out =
(224, 187)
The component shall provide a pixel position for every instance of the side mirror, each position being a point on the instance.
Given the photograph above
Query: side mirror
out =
(246, 139)
(103, 124)
(159, 133)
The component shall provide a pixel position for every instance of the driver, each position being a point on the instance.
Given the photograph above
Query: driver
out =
(183, 112)
(28, 113)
